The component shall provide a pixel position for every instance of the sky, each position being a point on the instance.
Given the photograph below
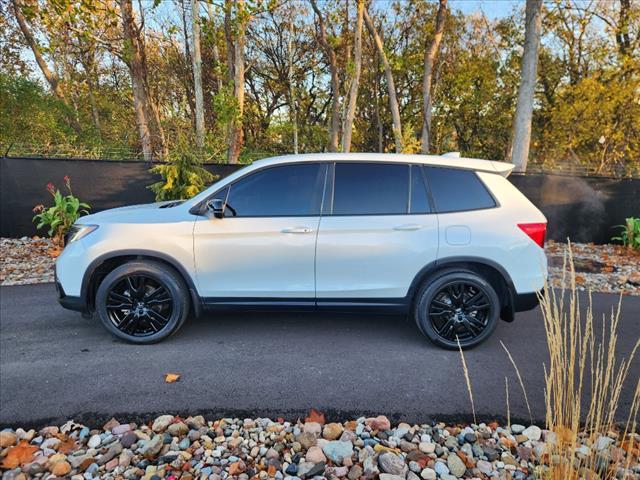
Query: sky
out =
(492, 8)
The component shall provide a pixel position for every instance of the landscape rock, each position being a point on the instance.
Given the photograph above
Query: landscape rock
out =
(455, 465)
(391, 463)
(262, 449)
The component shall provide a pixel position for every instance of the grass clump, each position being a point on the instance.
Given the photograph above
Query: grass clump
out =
(583, 383)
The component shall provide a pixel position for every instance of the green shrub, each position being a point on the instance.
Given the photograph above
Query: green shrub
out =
(65, 211)
(630, 233)
(182, 176)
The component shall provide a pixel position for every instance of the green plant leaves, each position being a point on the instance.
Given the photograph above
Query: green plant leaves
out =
(62, 215)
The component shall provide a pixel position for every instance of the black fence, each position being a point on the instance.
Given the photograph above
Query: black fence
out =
(586, 209)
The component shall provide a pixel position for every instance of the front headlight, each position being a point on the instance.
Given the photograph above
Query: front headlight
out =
(76, 232)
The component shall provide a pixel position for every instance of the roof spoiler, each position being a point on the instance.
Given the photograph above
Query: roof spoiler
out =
(501, 168)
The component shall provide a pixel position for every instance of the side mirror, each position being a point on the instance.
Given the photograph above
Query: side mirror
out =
(217, 207)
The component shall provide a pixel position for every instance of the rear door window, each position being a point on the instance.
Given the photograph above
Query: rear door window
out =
(362, 188)
(456, 190)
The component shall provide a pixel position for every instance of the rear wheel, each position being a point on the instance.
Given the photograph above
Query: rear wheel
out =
(457, 306)
(142, 302)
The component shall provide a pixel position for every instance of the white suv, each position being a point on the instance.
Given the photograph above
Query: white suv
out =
(449, 241)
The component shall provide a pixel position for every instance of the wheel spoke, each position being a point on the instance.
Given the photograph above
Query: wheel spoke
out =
(157, 317)
(444, 306)
(153, 294)
(467, 325)
(470, 302)
(127, 322)
(118, 301)
(475, 322)
(446, 328)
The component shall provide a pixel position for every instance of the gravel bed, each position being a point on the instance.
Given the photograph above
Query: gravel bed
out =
(367, 448)
(599, 268)
(26, 260)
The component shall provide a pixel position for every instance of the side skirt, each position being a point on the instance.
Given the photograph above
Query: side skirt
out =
(373, 305)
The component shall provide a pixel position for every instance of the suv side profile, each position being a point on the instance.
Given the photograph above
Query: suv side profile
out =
(449, 241)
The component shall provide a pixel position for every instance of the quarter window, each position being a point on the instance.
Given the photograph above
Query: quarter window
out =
(456, 190)
(370, 189)
(282, 191)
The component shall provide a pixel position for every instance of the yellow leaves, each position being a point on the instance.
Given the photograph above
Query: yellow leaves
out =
(19, 455)
(171, 377)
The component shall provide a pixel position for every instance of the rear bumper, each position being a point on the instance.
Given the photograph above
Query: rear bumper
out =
(525, 301)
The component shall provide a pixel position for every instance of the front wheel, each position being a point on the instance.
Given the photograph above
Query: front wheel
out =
(142, 302)
(457, 306)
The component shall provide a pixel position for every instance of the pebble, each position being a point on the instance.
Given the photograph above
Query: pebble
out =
(261, 449)
(332, 431)
(427, 447)
(60, 468)
(161, 423)
(441, 468)
(517, 428)
(94, 441)
(533, 433)
(428, 474)
(455, 465)
(8, 439)
(391, 463)
(315, 455)
(338, 451)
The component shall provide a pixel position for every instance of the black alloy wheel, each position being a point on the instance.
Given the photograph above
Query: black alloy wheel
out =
(457, 306)
(459, 310)
(142, 302)
(139, 305)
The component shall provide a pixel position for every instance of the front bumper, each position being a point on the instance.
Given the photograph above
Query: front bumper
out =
(68, 301)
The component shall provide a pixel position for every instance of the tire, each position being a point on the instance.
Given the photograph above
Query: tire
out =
(456, 303)
(142, 302)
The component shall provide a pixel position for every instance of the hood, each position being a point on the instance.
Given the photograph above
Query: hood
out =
(124, 214)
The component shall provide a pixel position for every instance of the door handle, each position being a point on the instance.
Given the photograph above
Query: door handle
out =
(408, 227)
(297, 230)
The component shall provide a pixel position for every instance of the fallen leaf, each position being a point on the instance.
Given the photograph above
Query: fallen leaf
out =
(171, 377)
(19, 455)
(315, 416)
(66, 445)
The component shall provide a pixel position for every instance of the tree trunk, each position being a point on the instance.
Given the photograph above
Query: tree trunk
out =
(94, 107)
(235, 36)
(215, 51)
(430, 54)
(623, 31)
(137, 70)
(52, 79)
(293, 112)
(391, 87)
(355, 82)
(334, 131)
(524, 108)
(197, 72)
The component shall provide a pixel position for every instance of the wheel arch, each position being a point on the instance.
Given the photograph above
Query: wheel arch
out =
(102, 265)
(493, 272)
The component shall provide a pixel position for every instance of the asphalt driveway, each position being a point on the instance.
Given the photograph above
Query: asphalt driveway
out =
(54, 365)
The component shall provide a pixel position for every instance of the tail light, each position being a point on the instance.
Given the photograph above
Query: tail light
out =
(536, 232)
